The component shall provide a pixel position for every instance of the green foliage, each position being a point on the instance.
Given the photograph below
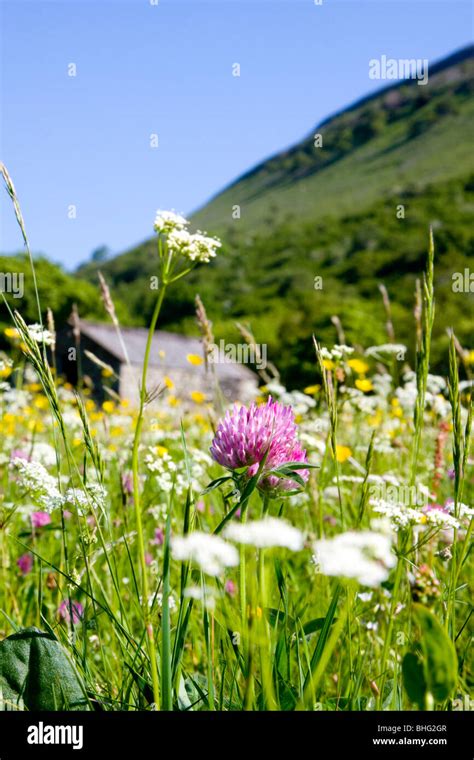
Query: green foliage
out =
(58, 291)
(430, 672)
(35, 669)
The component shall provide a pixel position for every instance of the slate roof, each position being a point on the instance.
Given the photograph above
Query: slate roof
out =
(175, 346)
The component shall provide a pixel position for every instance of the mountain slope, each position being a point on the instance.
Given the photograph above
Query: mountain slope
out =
(332, 212)
(384, 142)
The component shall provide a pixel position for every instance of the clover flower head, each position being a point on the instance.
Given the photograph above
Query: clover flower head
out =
(247, 436)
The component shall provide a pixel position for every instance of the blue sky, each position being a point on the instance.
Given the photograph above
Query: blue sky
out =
(166, 69)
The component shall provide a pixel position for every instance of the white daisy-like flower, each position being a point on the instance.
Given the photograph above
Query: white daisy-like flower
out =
(365, 556)
(211, 553)
(266, 533)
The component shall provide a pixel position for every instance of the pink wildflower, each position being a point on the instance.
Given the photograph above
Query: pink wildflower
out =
(64, 611)
(246, 435)
(40, 519)
(25, 563)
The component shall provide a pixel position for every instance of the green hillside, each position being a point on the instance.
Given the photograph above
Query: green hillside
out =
(331, 211)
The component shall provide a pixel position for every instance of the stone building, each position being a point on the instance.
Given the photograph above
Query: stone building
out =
(168, 359)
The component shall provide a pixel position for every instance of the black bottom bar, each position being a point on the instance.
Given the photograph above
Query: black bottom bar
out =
(374, 734)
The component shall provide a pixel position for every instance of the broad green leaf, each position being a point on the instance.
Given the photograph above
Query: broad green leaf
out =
(35, 668)
(439, 655)
(414, 678)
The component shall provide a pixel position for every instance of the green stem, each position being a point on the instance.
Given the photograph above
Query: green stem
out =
(388, 636)
(136, 498)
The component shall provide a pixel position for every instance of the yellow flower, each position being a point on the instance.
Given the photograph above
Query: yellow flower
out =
(364, 385)
(161, 450)
(194, 359)
(11, 332)
(376, 419)
(5, 372)
(40, 402)
(90, 405)
(125, 403)
(343, 453)
(358, 366)
(116, 431)
(107, 372)
(168, 382)
(470, 357)
(33, 387)
(173, 401)
(328, 364)
(198, 397)
(311, 389)
(108, 407)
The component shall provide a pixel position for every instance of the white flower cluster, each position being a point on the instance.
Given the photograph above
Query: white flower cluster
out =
(387, 349)
(41, 486)
(44, 453)
(210, 552)
(337, 352)
(266, 533)
(167, 221)
(167, 472)
(301, 402)
(94, 496)
(400, 515)
(41, 336)
(16, 400)
(440, 518)
(5, 362)
(195, 247)
(43, 489)
(365, 556)
(465, 511)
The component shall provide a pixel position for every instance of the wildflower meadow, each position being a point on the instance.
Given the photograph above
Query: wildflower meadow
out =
(309, 550)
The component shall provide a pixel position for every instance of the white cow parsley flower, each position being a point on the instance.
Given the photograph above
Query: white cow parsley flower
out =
(41, 486)
(167, 221)
(211, 553)
(41, 336)
(364, 555)
(266, 533)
